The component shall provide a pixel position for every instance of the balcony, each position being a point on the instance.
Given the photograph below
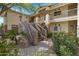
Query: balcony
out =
(64, 16)
(40, 19)
(66, 13)
(72, 12)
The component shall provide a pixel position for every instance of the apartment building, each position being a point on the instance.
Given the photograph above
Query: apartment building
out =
(58, 17)
(12, 19)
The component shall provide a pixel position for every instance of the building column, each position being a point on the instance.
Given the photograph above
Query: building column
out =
(5, 22)
(47, 21)
(36, 19)
(78, 21)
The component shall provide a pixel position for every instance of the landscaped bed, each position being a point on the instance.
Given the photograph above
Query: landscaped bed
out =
(7, 45)
(64, 44)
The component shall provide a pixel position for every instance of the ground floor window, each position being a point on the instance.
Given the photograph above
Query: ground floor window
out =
(14, 26)
(57, 27)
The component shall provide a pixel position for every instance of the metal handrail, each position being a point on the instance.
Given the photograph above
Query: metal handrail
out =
(66, 13)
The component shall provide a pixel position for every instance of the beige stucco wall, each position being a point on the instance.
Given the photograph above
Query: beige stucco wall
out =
(64, 13)
(13, 19)
(64, 26)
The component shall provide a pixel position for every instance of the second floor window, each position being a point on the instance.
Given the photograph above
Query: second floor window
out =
(14, 26)
(57, 13)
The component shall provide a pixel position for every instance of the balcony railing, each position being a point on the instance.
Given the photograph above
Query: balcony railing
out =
(72, 12)
(66, 13)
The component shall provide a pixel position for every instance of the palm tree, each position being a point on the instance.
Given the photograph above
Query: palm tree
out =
(4, 7)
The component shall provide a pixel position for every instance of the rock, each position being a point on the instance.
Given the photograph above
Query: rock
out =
(22, 41)
(43, 47)
(18, 37)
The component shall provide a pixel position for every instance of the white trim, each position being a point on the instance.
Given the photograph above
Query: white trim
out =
(64, 19)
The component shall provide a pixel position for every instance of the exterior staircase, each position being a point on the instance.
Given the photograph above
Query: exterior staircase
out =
(30, 31)
(34, 32)
(42, 32)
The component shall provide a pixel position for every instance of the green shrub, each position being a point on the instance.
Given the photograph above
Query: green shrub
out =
(78, 41)
(8, 46)
(7, 49)
(10, 34)
(49, 34)
(22, 33)
(64, 44)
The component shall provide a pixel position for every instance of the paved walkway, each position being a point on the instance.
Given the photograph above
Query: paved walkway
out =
(42, 47)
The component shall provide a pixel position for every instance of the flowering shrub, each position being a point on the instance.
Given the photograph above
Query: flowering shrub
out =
(8, 48)
(10, 34)
(64, 44)
(7, 45)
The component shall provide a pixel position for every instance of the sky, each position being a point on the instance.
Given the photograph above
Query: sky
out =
(1, 20)
(35, 5)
